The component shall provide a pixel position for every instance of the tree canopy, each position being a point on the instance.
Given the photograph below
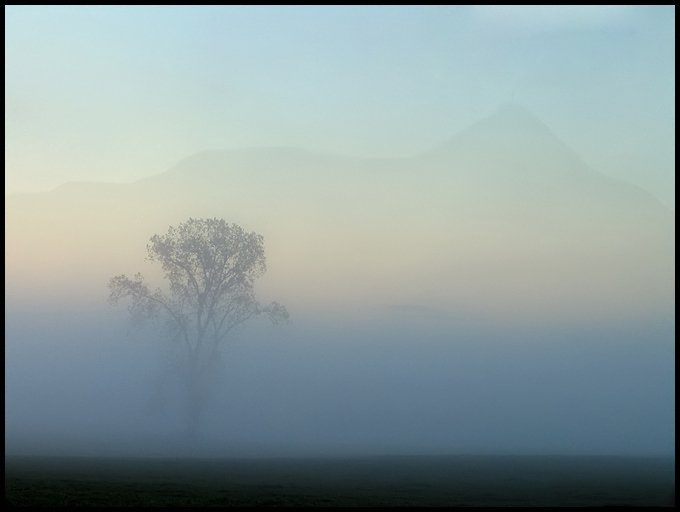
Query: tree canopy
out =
(211, 267)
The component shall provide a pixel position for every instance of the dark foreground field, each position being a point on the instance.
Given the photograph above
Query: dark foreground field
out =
(369, 481)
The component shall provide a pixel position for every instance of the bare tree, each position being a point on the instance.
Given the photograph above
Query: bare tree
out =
(211, 267)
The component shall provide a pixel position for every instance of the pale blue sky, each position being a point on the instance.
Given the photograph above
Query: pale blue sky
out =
(119, 93)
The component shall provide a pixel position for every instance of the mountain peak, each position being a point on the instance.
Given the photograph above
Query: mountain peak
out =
(511, 130)
(515, 118)
(511, 124)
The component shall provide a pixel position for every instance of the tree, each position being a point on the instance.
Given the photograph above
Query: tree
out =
(211, 267)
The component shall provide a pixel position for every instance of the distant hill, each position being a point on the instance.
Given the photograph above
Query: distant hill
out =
(503, 222)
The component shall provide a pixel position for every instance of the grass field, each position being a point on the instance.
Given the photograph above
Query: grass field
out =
(367, 481)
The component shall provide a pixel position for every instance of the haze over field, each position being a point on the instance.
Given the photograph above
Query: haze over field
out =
(475, 241)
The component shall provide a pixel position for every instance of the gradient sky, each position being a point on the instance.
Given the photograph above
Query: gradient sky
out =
(115, 94)
(391, 281)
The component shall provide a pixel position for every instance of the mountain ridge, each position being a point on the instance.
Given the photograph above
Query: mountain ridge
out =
(500, 132)
(468, 228)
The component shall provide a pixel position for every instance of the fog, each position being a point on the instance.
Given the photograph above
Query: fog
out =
(75, 387)
(474, 240)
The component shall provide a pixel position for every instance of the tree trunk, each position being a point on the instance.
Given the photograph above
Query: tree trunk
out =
(194, 409)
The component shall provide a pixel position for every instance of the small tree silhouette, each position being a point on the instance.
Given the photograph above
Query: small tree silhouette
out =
(211, 267)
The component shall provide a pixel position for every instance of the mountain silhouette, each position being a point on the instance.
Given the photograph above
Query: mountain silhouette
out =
(499, 145)
(504, 217)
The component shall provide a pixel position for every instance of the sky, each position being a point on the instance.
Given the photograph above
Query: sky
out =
(115, 94)
(443, 303)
